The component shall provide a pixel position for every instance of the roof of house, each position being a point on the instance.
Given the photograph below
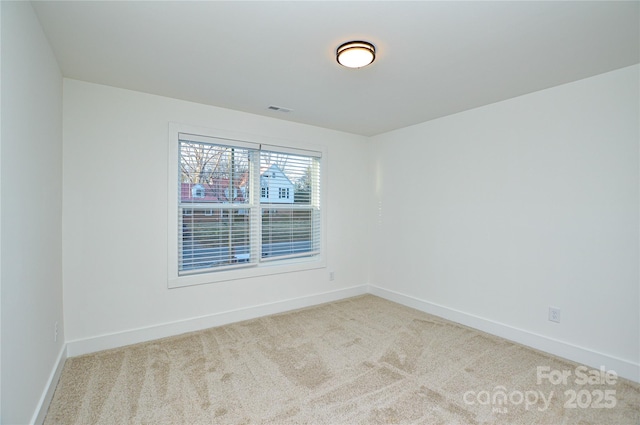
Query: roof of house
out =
(266, 168)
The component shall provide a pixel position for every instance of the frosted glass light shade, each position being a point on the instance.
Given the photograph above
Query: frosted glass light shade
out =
(356, 54)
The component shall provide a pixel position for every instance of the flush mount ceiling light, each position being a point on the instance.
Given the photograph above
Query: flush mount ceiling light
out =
(356, 54)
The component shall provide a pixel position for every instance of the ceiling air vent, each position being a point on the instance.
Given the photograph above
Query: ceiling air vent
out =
(279, 108)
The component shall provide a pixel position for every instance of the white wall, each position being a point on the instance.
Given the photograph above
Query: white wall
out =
(115, 218)
(31, 203)
(492, 215)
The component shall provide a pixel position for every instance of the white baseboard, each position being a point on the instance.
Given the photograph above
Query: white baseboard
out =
(47, 395)
(623, 368)
(134, 336)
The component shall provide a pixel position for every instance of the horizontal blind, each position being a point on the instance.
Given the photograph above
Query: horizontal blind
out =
(239, 205)
(215, 207)
(188, 137)
(292, 151)
(290, 205)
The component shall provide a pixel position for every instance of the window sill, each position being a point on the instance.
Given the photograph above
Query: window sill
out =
(263, 269)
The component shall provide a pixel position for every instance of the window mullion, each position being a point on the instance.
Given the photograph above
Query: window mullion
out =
(256, 223)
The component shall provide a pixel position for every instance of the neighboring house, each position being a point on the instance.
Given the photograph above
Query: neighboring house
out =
(217, 191)
(275, 186)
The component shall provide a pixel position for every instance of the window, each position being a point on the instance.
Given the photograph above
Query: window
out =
(290, 227)
(283, 193)
(197, 191)
(228, 225)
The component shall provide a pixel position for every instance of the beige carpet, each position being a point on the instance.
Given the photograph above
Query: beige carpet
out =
(364, 360)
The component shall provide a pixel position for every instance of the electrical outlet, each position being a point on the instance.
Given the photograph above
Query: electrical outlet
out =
(332, 275)
(554, 314)
(55, 332)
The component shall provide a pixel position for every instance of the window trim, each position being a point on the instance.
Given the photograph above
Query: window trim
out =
(210, 135)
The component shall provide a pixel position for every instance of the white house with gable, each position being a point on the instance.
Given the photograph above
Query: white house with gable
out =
(275, 186)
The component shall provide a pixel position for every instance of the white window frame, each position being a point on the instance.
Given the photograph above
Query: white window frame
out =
(248, 140)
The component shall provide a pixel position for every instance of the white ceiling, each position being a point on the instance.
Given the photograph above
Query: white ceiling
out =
(434, 58)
